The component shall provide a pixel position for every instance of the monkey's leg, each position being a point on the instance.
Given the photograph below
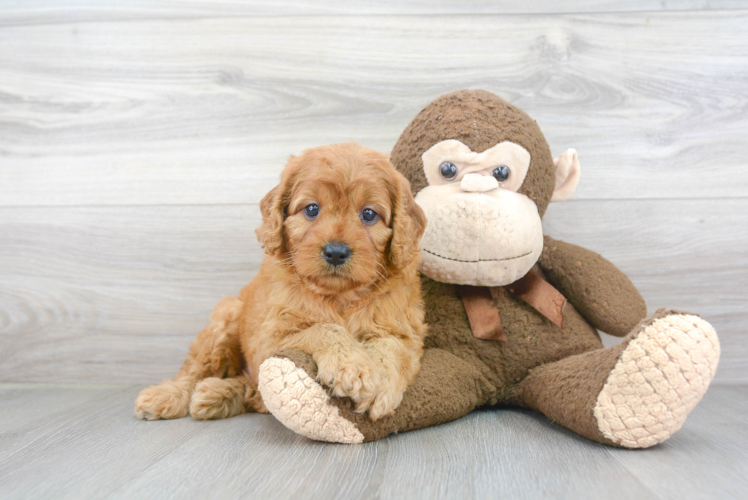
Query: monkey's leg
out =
(445, 389)
(635, 394)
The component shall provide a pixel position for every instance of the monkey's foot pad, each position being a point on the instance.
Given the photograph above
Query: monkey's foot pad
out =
(659, 378)
(301, 404)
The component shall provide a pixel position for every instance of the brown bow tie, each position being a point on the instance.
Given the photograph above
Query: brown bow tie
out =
(484, 316)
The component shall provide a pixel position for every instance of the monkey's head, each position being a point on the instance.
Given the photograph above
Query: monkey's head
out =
(483, 173)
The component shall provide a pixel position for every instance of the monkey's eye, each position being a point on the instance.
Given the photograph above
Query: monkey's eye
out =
(311, 211)
(369, 216)
(501, 173)
(448, 170)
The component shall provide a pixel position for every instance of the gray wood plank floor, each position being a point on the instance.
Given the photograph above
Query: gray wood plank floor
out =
(85, 442)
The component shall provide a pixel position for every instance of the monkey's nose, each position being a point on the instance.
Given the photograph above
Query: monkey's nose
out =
(477, 183)
(336, 253)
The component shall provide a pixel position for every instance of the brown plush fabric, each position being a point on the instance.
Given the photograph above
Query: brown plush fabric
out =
(480, 120)
(445, 391)
(566, 391)
(542, 296)
(532, 340)
(300, 359)
(599, 290)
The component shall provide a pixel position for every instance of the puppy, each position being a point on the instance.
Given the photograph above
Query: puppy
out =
(339, 281)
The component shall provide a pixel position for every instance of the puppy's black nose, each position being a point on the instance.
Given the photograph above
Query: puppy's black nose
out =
(336, 253)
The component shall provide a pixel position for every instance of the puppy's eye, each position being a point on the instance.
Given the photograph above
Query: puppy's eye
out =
(448, 170)
(369, 216)
(311, 211)
(501, 173)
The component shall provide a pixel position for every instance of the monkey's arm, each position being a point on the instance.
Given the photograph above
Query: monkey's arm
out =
(595, 287)
(446, 388)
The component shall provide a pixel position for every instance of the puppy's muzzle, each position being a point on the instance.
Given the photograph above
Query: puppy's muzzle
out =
(336, 253)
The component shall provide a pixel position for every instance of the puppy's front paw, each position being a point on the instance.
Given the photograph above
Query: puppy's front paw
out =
(349, 374)
(385, 402)
(168, 400)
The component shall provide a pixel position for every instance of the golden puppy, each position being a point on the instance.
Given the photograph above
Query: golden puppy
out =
(339, 281)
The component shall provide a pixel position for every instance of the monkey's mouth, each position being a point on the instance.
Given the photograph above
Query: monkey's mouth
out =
(476, 261)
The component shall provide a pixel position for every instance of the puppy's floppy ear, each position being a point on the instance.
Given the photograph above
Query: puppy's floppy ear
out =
(270, 232)
(408, 224)
(273, 208)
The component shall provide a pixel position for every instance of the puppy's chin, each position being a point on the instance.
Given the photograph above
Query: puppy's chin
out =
(325, 279)
(331, 284)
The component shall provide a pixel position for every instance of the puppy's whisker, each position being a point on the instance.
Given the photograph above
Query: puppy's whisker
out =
(384, 269)
(375, 282)
(287, 260)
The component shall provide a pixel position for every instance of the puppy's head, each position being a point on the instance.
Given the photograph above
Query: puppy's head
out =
(343, 217)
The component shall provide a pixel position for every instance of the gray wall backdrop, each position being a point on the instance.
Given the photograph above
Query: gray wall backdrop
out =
(137, 140)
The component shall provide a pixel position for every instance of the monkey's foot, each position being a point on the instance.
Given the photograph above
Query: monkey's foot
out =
(295, 398)
(658, 379)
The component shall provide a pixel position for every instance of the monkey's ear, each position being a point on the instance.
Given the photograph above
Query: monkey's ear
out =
(567, 175)
(408, 224)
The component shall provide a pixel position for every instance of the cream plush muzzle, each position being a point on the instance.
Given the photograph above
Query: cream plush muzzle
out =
(478, 234)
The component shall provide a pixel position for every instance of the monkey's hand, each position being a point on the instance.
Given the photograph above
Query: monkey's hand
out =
(597, 289)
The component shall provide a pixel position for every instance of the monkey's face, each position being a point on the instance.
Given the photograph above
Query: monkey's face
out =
(483, 173)
(481, 231)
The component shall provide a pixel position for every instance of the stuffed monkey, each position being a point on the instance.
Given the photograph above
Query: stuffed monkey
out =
(513, 315)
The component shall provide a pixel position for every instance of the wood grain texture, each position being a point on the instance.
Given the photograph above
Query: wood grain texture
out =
(17, 12)
(135, 142)
(115, 294)
(206, 110)
(96, 448)
(104, 293)
(687, 459)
